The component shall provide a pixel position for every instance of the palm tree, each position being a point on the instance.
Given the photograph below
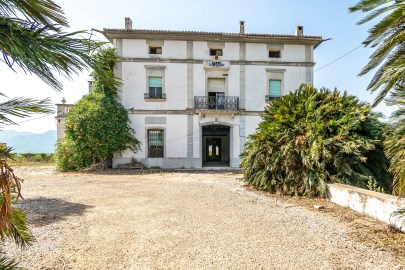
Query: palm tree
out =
(388, 37)
(32, 38)
(36, 43)
(395, 142)
(311, 137)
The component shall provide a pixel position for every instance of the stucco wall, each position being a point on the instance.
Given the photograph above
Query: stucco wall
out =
(374, 204)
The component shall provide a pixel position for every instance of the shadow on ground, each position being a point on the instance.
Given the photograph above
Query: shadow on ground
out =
(42, 211)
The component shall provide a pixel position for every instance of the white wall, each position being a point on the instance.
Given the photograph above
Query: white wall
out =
(175, 131)
(135, 86)
(231, 51)
(200, 50)
(251, 123)
(255, 88)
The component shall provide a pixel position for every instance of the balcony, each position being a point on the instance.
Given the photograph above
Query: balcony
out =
(216, 103)
(155, 97)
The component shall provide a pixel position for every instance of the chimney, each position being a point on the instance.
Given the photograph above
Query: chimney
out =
(299, 31)
(242, 27)
(128, 23)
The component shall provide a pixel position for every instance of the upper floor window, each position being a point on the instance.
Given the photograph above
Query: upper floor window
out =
(155, 50)
(215, 52)
(274, 54)
(155, 87)
(155, 143)
(274, 89)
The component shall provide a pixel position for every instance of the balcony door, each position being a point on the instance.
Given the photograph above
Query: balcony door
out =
(216, 93)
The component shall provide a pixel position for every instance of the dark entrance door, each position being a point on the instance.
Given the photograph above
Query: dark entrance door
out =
(213, 149)
(215, 146)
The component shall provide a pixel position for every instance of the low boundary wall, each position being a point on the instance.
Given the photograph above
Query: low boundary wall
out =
(374, 204)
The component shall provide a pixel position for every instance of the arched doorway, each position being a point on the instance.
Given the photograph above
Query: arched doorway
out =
(215, 146)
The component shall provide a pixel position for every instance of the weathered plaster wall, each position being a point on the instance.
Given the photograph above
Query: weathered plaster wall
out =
(374, 204)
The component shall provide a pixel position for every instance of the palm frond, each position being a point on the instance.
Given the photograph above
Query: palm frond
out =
(45, 12)
(8, 264)
(388, 37)
(47, 53)
(23, 107)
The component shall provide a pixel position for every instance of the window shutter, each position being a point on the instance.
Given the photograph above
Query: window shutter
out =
(275, 88)
(155, 82)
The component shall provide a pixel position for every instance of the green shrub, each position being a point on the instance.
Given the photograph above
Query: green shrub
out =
(310, 137)
(97, 126)
(31, 158)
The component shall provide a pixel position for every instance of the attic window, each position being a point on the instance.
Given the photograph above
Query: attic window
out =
(155, 50)
(214, 52)
(274, 54)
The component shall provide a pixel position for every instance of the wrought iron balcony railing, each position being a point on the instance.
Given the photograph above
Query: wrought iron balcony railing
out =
(154, 96)
(216, 103)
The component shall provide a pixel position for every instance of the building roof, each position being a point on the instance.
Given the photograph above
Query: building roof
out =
(111, 34)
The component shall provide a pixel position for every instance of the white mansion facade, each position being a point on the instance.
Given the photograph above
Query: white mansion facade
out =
(194, 97)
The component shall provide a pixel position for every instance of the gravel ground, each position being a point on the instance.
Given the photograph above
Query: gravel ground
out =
(122, 220)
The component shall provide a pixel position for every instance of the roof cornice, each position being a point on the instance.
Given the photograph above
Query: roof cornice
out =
(111, 34)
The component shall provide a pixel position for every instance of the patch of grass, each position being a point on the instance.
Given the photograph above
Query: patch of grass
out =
(32, 159)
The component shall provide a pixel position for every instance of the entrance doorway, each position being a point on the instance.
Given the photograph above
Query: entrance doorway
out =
(216, 146)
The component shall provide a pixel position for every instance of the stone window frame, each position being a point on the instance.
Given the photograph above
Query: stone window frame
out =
(275, 48)
(155, 44)
(155, 71)
(215, 46)
(274, 74)
(147, 129)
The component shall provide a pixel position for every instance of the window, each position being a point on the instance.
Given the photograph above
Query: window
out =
(274, 89)
(155, 50)
(155, 143)
(215, 52)
(155, 87)
(274, 54)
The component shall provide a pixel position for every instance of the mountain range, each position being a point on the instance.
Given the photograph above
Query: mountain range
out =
(28, 142)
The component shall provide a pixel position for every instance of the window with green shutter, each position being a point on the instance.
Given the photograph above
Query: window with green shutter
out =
(155, 87)
(274, 89)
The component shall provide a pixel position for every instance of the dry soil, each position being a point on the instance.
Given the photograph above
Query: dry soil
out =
(189, 220)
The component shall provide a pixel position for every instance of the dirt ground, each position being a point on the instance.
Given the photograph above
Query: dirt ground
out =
(190, 220)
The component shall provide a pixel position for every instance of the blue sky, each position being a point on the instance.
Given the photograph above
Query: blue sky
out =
(329, 19)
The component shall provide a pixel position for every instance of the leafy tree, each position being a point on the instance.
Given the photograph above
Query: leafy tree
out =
(32, 38)
(310, 137)
(388, 37)
(98, 125)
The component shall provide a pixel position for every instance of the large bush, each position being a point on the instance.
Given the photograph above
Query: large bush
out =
(98, 125)
(311, 137)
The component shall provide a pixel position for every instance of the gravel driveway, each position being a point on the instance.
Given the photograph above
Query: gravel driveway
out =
(121, 220)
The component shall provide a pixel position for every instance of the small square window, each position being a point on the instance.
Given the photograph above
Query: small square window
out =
(274, 54)
(215, 52)
(155, 50)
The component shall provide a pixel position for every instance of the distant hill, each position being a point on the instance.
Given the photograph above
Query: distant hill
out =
(28, 142)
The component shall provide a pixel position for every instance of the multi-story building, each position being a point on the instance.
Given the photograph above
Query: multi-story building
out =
(194, 97)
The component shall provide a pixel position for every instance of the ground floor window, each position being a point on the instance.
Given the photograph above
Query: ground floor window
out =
(155, 143)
